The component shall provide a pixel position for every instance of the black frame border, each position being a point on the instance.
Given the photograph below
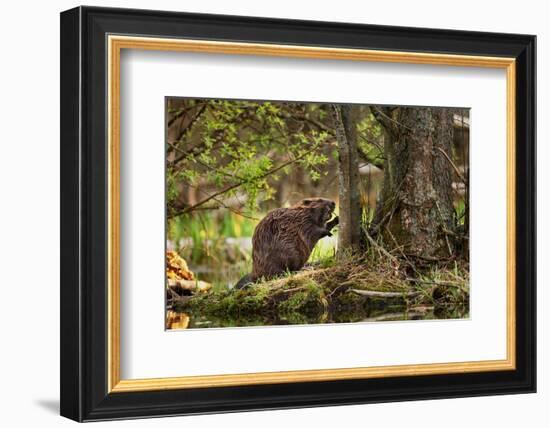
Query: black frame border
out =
(83, 186)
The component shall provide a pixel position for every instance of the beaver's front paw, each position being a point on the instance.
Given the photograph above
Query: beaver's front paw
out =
(331, 224)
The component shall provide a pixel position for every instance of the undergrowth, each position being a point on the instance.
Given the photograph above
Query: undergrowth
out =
(339, 290)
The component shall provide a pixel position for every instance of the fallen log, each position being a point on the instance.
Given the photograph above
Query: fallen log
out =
(180, 286)
(385, 294)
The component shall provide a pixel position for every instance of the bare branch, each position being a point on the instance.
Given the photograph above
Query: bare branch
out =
(180, 114)
(453, 165)
(185, 130)
(385, 294)
(390, 124)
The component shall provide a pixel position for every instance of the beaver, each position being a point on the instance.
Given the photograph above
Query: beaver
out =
(284, 238)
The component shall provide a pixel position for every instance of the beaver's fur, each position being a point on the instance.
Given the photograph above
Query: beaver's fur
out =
(285, 237)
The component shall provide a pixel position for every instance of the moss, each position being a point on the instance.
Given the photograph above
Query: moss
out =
(309, 299)
(298, 318)
(233, 302)
(345, 301)
(325, 294)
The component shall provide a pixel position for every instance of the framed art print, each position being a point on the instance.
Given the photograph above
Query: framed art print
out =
(261, 213)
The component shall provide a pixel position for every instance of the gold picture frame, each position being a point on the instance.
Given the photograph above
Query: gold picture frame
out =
(117, 43)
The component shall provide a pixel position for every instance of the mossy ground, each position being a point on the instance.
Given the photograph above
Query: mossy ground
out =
(331, 294)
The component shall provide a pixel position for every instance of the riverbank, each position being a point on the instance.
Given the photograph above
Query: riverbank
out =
(377, 287)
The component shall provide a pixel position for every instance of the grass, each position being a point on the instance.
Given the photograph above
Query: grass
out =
(460, 211)
(324, 253)
(331, 292)
(204, 234)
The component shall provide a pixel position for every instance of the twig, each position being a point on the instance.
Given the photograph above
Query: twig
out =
(374, 143)
(385, 294)
(456, 235)
(180, 113)
(400, 248)
(335, 290)
(393, 200)
(188, 127)
(380, 112)
(446, 235)
(378, 246)
(305, 118)
(230, 208)
(457, 171)
(434, 282)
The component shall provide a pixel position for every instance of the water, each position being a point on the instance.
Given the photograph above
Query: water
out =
(180, 320)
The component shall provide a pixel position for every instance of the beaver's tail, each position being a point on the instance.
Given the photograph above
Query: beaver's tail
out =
(244, 281)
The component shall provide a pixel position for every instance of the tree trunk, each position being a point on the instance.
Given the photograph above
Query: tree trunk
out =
(415, 211)
(345, 126)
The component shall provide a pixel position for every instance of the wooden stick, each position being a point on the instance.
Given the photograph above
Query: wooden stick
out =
(385, 294)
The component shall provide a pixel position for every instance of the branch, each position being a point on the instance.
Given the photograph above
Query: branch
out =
(377, 161)
(387, 121)
(189, 125)
(230, 208)
(385, 294)
(236, 185)
(318, 124)
(374, 143)
(179, 114)
(453, 165)
(377, 245)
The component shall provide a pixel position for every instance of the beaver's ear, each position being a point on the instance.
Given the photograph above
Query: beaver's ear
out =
(307, 201)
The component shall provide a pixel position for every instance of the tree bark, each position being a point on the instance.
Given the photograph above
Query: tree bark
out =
(415, 211)
(345, 126)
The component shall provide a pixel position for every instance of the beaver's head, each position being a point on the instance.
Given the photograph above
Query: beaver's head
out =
(319, 209)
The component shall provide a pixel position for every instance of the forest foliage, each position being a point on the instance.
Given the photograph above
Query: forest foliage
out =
(241, 148)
